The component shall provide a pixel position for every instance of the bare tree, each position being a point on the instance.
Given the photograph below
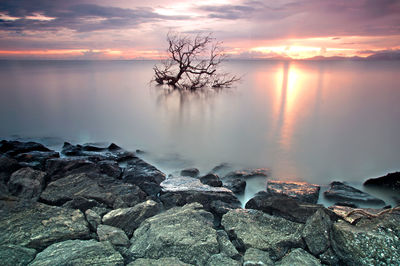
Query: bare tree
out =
(193, 63)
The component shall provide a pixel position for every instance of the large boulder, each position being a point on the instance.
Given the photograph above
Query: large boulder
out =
(236, 185)
(12, 255)
(128, 219)
(236, 180)
(79, 252)
(298, 257)
(38, 225)
(191, 172)
(114, 235)
(12, 148)
(104, 189)
(256, 257)
(391, 180)
(61, 167)
(301, 191)
(222, 260)
(168, 261)
(36, 159)
(211, 180)
(316, 232)
(186, 233)
(370, 242)
(27, 183)
(255, 229)
(339, 191)
(7, 167)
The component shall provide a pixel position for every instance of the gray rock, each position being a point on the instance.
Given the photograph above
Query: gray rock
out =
(128, 219)
(38, 225)
(316, 232)
(256, 257)
(7, 167)
(12, 255)
(301, 191)
(221, 260)
(256, 229)
(247, 173)
(36, 159)
(12, 148)
(61, 167)
(93, 219)
(298, 257)
(114, 235)
(78, 252)
(391, 180)
(183, 232)
(370, 242)
(225, 245)
(339, 191)
(83, 204)
(110, 168)
(211, 180)
(191, 172)
(236, 185)
(26, 183)
(169, 261)
(329, 258)
(101, 188)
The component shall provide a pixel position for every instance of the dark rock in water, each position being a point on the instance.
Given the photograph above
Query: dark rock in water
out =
(316, 232)
(299, 257)
(62, 167)
(339, 191)
(27, 183)
(79, 252)
(211, 180)
(236, 185)
(247, 173)
(301, 191)
(222, 260)
(104, 189)
(391, 180)
(179, 191)
(36, 159)
(110, 168)
(373, 241)
(81, 203)
(225, 245)
(346, 204)
(221, 169)
(191, 172)
(256, 257)
(186, 233)
(144, 175)
(12, 255)
(256, 229)
(286, 207)
(38, 225)
(169, 261)
(114, 235)
(7, 167)
(128, 219)
(12, 148)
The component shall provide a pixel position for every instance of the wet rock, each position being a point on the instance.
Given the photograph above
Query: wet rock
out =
(36, 159)
(169, 261)
(144, 175)
(114, 235)
(346, 204)
(370, 242)
(82, 204)
(256, 257)
(286, 207)
(38, 225)
(7, 167)
(391, 180)
(190, 172)
(93, 219)
(221, 169)
(298, 257)
(113, 152)
(110, 168)
(221, 260)
(247, 173)
(183, 232)
(62, 167)
(236, 185)
(316, 232)
(12, 148)
(211, 180)
(12, 255)
(129, 219)
(100, 188)
(301, 191)
(256, 229)
(339, 191)
(79, 252)
(225, 245)
(27, 183)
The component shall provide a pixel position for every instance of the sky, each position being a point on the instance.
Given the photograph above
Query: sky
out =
(130, 29)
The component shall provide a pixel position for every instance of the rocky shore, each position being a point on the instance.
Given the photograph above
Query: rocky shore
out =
(92, 205)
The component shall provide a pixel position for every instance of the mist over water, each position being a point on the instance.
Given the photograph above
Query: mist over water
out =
(310, 121)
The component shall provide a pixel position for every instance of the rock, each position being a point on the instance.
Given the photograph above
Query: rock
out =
(38, 225)
(7, 167)
(301, 191)
(110, 168)
(286, 207)
(27, 183)
(256, 229)
(236, 185)
(316, 232)
(221, 169)
(352, 215)
(329, 258)
(93, 219)
(116, 236)
(298, 257)
(144, 175)
(78, 252)
(370, 242)
(221, 260)
(169, 261)
(12, 148)
(36, 159)
(191, 172)
(61, 167)
(219, 207)
(182, 232)
(225, 245)
(12, 255)
(247, 173)
(101, 188)
(256, 257)
(391, 180)
(339, 191)
(346, 204)
(211, 180)
(82, 204)
(129, 219)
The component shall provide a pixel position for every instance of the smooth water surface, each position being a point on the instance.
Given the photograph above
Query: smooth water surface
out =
(311, 121)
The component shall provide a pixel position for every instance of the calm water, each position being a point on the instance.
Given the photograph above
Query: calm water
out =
(311, 121)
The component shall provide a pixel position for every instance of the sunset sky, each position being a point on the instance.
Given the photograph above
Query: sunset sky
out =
(122, 29)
